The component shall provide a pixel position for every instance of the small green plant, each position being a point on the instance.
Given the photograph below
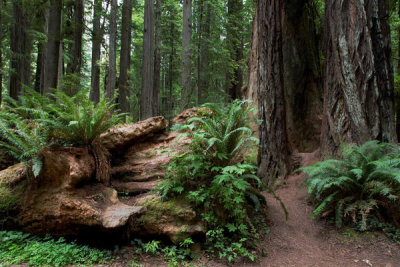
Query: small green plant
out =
(361, 187)
(20, 248)
(213, 176)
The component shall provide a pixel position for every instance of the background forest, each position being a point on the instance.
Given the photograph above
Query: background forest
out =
(190, 52)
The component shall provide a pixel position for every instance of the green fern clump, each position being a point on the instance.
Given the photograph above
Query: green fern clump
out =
(360, 187)
(213, 177)
(35, 122)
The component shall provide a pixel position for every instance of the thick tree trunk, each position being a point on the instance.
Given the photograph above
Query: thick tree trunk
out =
(186, 54)
(21, 51)
(250, 89)
(157, 60)
(112, 61)
(274, 159)
(358, 75)
(124, 90)
(302, 75)
(235, 47)
(53, 46)
(97, 37)
(147, 98)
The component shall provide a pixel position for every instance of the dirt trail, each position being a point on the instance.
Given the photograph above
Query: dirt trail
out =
(304, 242)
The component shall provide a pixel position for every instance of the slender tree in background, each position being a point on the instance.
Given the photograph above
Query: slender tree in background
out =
(123, 82)
(53, 46)
(204, 46)
(112, 61)
(97, 37)
(75, 65)
(186, 54)
(147, 98)
(21, 48)
(397, 97)
(274, 158)
(1, 49)
(358, 74)
(157, 59)
(41, 20)
(234, 80)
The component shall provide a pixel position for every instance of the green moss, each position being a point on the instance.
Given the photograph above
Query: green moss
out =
(10, 197)
(157, 208)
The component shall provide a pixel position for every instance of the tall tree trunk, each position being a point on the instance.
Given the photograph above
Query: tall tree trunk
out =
(21, 50)
(75, 65)
(302, 75)
(397, 97)
(250, 89)
(157, 59)
(358, 74)
(125, 56)
(274, 159)
(235, 45)
(53, 46)
(1, 51)
(204, 52)
(186, 54)
(171, 70)
(112, 61)
(97, 37)
(147, 98)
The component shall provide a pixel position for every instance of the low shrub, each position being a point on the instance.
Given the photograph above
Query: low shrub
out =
(223, 188)
(20, 248)
(361, 188)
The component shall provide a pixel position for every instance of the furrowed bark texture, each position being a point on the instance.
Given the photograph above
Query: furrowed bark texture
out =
(274, 160)
(97, 37)
(125, 57)
(146, 99)
(358, 88)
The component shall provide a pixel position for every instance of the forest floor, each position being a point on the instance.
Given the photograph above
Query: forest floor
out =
(304, 242)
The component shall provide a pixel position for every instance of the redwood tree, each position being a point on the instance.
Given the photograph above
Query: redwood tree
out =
(97, 37)
(186, 53)
(125, 57)
(358, 74)
(274, 159)
(146, 100)
(53, 46)
(112, 54)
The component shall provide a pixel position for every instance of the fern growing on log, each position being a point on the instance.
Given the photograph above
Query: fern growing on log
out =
(360, 187)
(35, 122)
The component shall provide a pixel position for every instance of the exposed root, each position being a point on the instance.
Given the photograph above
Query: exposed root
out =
(102, 162)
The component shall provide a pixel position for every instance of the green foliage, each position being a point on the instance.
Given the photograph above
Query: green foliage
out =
(20, 248)
(176, 255)
(362, 186)
(35, 122)
(225, 193)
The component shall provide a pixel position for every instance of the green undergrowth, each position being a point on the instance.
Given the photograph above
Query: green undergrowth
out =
(20, 248)
(360, 189)
(219, 183)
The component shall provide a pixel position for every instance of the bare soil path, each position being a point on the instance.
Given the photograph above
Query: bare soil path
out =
(304, 242)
